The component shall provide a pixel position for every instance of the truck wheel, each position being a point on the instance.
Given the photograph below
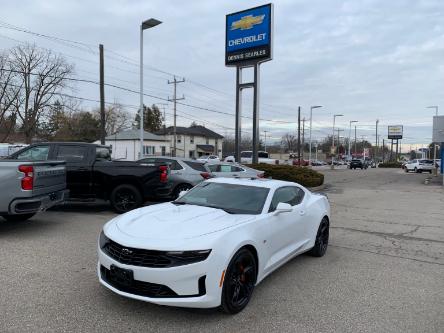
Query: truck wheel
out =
(125, 197)
(18, 217)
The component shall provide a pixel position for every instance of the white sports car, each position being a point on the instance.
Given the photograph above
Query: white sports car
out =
(212, 245)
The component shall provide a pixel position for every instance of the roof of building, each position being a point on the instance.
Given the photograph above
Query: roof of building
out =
(192, 130)
(134, 135)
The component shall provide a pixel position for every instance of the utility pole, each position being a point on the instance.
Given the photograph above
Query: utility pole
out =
(303, 137)
(175, 99)
(102, 97)
(339, 130)
(376, 151)
(383, 150)
(299, 135)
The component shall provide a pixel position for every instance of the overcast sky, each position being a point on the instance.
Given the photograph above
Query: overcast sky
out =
(365, 59)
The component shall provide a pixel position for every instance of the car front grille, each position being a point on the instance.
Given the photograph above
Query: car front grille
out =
(136, 257)
(147, 289)
(139, 288)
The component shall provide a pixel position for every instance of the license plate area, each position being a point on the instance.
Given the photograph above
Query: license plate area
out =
(122, 276)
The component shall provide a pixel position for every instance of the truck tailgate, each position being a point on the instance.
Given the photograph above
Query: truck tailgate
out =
(49, 176)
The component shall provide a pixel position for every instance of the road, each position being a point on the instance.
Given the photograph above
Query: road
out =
(383, 272)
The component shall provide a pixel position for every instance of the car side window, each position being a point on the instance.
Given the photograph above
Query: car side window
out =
(213, 167)
(236, 169)
(290, 194)
(39, 153)
(174, 165)
(74, 154)
(225, 168)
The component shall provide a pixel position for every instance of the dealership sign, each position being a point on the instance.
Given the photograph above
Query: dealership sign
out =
(395, 132)
(248, 36)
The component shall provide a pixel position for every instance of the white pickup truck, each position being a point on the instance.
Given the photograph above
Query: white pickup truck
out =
(29, 187)
(263, 157)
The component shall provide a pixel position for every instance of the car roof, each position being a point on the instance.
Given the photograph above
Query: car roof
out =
(258, 182)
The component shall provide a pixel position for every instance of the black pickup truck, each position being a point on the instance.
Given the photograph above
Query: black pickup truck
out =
(91, 174)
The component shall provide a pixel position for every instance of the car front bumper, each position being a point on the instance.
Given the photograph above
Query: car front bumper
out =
(185, 281)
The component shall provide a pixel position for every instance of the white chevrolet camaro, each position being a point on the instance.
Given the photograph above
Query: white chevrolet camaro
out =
(212, 245)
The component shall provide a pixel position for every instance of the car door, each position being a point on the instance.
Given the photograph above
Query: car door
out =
(78, 170)
(287, 230)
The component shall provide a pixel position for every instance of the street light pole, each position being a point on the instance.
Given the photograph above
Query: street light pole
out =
(333, 138)
(349, 136)
(434, 150)
(145, 25)
(311, 119)
(265, 140)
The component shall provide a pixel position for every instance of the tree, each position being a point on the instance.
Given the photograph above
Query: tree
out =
(42, 76)
(8, 98)
(116, 118)
(84, 127)
(152, 118)
(290, 142)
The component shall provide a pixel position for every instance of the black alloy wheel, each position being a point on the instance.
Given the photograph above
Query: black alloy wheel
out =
(239, 282)
(179, 188)
(125, 198)
(321, 243)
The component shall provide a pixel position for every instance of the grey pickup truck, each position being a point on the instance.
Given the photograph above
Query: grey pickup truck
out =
(28, 187)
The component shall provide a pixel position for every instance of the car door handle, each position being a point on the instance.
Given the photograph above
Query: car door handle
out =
(302, 212)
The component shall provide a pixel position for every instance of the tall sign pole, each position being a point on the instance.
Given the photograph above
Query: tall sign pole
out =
(248, 43)
(102, 97)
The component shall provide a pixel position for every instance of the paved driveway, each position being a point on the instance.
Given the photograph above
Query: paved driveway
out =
(384, 271)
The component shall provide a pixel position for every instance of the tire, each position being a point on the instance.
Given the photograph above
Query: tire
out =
(179, 188)
(125, 197)
(240, 279)
(406, 170)
(430, 171)
(321, 243)
(18, 217)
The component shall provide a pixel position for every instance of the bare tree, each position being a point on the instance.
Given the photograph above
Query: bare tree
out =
(8, 97)
(116, 118)
(290, 142)
(42, 75)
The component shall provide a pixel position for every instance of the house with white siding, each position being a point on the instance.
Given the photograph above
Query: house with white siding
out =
(194, 141)
(126, 145)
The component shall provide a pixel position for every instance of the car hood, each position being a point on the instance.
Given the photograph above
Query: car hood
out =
(170, 222)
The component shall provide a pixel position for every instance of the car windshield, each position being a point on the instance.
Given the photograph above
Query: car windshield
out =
(426, 161)
(234, 199)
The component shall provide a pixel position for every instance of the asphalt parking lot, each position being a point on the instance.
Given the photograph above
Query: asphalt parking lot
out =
(383, 272)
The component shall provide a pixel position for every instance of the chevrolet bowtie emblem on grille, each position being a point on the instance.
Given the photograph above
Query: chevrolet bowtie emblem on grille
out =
(126, 251)
(247, 22)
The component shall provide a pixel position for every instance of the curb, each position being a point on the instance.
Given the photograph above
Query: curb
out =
(317, 188)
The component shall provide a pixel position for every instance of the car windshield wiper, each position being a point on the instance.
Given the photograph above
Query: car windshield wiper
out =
(178, 203)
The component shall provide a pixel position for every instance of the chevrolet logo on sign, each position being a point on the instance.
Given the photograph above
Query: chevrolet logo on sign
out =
(247, 22)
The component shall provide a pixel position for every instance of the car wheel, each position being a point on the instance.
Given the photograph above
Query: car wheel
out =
(179, 188)
(125, 197)
(18, 217)
(239, 282)
(406, 170)
(321, 242)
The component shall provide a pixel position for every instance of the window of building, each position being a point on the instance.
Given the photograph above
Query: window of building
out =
(191, 138)
(149, 150)
(208, 140)
(179, 138)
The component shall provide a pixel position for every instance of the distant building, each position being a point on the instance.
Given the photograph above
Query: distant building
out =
(126, 145)
(193, 141)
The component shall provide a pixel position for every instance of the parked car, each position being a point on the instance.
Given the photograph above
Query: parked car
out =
(303, 162)
(29, 187)
(358, 164)
(184, 173)
(206, 249)
(233, 170)
(317, 163)
(91, 174)
(263, 157)
(209, 158)
(419, 166)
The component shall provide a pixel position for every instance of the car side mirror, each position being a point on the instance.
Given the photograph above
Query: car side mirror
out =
(182, 193)
(283, 207)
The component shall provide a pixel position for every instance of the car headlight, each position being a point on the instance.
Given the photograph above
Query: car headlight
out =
(179, 258)
(103, 240)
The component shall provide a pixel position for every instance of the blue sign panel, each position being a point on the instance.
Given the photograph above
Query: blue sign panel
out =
(248, 35)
